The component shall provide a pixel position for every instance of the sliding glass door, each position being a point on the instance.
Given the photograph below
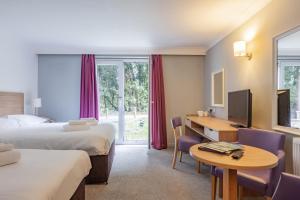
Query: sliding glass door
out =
(124, 97)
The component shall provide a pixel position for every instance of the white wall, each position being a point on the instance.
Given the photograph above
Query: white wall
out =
(18, 69)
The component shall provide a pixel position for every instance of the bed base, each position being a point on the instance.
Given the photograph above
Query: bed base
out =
(80, 192)
(101, 166)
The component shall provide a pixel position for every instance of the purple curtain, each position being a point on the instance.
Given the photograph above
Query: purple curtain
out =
(157, 107)
(88, 88)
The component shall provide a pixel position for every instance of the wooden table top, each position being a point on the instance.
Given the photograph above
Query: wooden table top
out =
(212, 123)
(254, 158)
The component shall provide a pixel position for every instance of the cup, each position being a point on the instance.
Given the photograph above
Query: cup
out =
(205, 114)
(200, 113)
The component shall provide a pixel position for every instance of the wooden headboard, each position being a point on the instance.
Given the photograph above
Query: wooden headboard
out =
(11, 103)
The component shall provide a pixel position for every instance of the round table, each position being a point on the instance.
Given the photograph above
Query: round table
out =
(254, 158)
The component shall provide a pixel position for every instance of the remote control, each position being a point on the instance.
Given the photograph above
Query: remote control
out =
(237, 154)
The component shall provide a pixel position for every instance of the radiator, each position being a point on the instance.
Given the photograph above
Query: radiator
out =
(296, 156)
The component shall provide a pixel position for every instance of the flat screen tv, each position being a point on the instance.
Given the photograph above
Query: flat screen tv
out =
(240, 108)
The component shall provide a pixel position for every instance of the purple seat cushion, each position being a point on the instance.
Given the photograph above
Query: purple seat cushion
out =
(186, 141)
(257, 180)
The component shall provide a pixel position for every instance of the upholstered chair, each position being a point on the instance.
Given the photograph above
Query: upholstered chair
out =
(261, 181)
(182, 142)
(287, 188)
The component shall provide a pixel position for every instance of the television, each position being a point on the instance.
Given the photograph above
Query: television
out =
(283, 108)
(240, 108)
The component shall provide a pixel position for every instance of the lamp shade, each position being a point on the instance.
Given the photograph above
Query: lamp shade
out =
(239, 48)
(37, 103)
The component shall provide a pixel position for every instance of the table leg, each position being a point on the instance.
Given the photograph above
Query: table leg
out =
(229, 184)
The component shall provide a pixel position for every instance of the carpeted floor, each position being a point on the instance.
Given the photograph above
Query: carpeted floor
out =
(142, 174)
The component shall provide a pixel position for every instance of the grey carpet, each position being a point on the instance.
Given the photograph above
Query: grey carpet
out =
(142, 174)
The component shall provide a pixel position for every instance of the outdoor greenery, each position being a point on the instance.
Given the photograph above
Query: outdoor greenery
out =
(136, 87)
(136, 83)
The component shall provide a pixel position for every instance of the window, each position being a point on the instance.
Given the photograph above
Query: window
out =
(289, 80)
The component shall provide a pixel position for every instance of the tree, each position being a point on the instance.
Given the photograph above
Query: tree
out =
(136, 85)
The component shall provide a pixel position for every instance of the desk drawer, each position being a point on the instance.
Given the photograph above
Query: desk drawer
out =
(214, 135)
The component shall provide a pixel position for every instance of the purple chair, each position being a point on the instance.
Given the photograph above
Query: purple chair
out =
(262, 181)
(287, 188)
(182, 142)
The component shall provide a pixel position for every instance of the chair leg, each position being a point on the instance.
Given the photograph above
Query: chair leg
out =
(213, 187)
(174, 156)
(240, 192)
(220, 188)
(199, 167)
(180, 156)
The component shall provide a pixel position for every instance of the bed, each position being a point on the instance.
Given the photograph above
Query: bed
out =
(45, 175)
(98, 141)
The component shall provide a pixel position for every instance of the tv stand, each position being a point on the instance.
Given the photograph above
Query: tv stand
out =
(211, 128)
(237, 126)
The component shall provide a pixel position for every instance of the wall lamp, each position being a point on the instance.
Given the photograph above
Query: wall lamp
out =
(240, 49)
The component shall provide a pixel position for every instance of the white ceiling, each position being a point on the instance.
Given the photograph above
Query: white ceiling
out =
(81, 26)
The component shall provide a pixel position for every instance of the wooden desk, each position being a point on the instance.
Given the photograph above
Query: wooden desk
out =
(254, 158)
(214, 129)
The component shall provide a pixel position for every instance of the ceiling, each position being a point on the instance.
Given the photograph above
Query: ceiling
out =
(81, 26)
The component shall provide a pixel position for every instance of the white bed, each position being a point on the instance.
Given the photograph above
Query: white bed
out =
(95, 141)
(44, 175)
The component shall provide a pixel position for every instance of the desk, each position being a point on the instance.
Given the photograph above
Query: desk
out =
(212, 128)
(254, 158)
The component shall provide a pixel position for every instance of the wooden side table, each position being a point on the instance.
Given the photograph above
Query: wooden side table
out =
(253, 159)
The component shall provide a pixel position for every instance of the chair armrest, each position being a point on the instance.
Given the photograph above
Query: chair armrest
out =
(276, 172)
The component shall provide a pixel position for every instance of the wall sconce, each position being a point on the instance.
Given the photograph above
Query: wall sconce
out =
(240, 49)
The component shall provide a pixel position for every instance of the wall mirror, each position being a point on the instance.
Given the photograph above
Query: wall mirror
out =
(217, 92)
(288, 78)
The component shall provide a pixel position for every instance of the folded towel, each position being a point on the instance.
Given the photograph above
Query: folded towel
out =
(90, 121)
(9, 157)
(77, 122)
(68, 127)
(6, 147)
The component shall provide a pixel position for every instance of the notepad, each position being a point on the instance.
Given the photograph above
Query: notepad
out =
(220, 147)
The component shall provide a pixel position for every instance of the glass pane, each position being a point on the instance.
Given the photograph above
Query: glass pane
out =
(136, 102)
(289, 78)
(109, 94)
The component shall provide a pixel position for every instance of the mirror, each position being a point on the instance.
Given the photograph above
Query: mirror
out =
(217, 92)
(288, 79)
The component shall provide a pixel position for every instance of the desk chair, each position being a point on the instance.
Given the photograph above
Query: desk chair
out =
(261, 181)
(182, 142)
(287, 188)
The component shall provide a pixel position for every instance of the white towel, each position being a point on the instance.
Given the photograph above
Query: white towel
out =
(6, 147)
(68, 127)
(90, 121)
(9, 157)
(77, 122)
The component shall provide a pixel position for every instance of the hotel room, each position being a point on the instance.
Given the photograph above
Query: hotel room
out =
(140, 99)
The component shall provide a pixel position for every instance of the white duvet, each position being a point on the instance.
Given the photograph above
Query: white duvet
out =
(44, 175)
(95, 141)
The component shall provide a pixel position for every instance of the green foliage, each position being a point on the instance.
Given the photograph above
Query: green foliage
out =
(136, 87)
(291, 81)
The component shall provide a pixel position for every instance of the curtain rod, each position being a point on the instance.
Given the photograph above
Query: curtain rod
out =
(121, 57)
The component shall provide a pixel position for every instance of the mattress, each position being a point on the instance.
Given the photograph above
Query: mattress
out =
(44, 175)
(95, 141)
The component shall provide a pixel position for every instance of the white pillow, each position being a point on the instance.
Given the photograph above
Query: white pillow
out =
(8, 123)
(27, 120)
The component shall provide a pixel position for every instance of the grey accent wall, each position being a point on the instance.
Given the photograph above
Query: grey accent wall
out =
(59, 86)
